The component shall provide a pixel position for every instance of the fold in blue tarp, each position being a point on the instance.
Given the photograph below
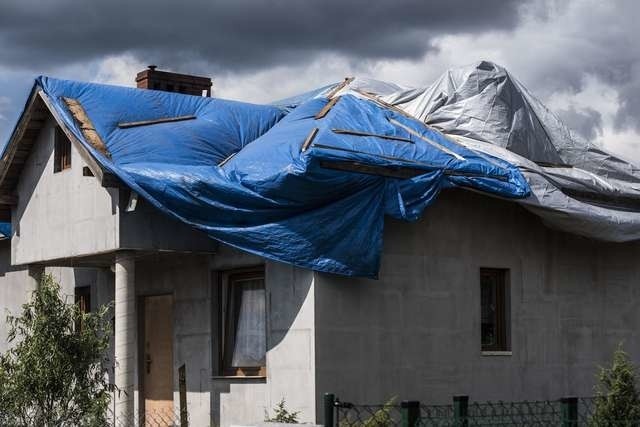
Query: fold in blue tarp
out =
(270, 197)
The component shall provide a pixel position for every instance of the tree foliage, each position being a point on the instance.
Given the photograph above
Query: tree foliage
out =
(617, 401)
(54, 373)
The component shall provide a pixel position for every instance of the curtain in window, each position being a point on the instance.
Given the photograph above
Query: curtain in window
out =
(250, 340)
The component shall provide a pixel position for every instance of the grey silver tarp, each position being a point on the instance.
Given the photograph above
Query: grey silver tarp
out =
(576, 185)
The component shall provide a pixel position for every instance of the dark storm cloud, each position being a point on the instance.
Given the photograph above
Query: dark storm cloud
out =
(237, 34)
(592, 38)
(586, 122)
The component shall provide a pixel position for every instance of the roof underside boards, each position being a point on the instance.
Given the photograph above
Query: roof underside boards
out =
(18, 149)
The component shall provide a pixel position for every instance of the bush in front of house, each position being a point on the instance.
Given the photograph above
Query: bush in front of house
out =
(54, 373)
(617, 400)
(281, 414)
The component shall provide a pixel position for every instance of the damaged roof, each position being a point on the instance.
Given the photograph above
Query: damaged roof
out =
(309, 180)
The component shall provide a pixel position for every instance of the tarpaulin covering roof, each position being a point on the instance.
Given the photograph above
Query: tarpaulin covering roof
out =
(300, 188)
(309, 180)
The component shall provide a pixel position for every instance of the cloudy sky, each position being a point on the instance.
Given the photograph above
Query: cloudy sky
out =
(582, 57)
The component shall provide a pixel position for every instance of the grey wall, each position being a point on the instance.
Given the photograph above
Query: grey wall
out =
(147, 228)
(60, 215)
(15, 289)
(291, 339)
(415, 333)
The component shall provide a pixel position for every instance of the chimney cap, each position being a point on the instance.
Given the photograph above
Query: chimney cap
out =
(152, 67)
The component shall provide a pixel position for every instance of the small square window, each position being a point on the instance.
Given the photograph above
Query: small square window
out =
(243, 320)
(61, 151)
(495, 309)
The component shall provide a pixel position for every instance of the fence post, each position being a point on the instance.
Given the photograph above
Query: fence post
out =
(182, 388)
(569, 411)
(460, 411)
(410, 412)
(329, 404)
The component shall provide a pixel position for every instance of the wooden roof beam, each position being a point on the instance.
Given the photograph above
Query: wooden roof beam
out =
(8, 200)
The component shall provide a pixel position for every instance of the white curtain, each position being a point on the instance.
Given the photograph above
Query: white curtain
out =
(250, 340)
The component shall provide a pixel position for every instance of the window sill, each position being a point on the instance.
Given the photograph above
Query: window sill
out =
(496, 353)
(239, 377)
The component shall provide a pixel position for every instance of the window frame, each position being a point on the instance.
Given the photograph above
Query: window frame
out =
(61, 151)
(501, 278)
(226, 336)
(82, 298)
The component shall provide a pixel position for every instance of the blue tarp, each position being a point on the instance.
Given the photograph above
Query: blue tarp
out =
(272, 198)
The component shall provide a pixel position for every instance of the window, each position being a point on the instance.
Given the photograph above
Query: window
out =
(61, 151)
(495, 309)
(243, 324)
(83, 300)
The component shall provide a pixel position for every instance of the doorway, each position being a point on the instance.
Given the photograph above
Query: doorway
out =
(157, 362)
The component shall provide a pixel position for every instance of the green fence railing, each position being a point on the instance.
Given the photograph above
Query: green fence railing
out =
(566, 412)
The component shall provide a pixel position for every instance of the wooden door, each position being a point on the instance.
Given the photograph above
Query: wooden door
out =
(158, 360)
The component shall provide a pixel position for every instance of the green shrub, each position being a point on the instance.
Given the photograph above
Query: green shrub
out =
(53, 374)
(282, 415)
(617, 401)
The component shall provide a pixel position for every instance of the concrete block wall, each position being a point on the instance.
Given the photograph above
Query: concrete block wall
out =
(290, 340)
(415, 332)
(60, 215)
(16, 287)
(147, 228)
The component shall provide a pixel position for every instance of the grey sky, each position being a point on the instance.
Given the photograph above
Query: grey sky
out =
(580, 57)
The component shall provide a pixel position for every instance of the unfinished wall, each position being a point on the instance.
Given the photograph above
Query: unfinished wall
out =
(290, 348)
(15, 289)
(290, 339)
(415, 333)
(146, 228)
(60, 215)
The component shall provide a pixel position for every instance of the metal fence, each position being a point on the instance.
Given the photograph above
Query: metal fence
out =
(173, 417)
(164, 418)
(567, 412)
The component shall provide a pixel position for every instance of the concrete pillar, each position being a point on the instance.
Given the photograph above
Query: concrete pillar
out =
(125, 337)
(35, 272)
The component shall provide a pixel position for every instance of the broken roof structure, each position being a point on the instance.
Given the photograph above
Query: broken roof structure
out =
(309, 180)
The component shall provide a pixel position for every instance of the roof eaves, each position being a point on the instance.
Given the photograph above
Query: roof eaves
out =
(31, 120)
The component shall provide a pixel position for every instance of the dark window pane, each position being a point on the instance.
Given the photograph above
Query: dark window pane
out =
(493, 309)
(83, 301)
(488, 297)
(61, 151)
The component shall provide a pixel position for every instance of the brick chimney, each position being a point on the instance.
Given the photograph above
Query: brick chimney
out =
(173, 82)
